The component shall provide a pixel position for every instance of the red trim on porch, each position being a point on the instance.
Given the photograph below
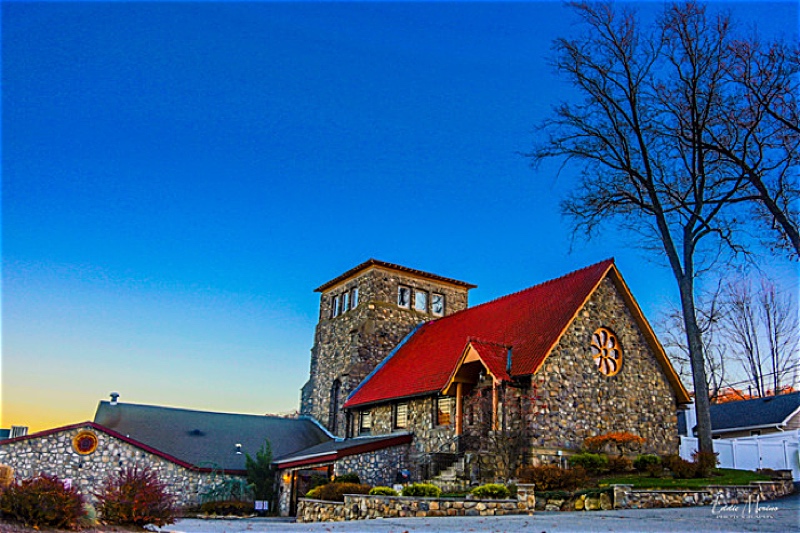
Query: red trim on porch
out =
(353, 450)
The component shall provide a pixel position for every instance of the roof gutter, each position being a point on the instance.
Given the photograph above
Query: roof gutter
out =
(332, 454)
(745, 428)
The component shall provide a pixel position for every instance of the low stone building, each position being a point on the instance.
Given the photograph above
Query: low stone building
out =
(191, 451)
(85, 455)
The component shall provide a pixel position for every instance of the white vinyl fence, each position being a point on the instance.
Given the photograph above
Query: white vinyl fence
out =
(778, 451)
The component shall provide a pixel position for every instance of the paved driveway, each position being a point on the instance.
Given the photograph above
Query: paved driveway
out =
(779, 516)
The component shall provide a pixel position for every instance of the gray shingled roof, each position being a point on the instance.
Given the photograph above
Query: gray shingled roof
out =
(337, 445)
(206, 439)
(760, 412)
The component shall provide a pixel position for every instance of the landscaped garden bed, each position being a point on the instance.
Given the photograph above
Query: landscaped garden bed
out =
(594, 480)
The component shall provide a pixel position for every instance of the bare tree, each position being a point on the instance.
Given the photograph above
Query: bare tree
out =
(762, 134)
(651, 97)
(710, 321)
(761, 328)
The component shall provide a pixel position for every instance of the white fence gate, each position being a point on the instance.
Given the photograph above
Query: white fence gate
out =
(778, 451)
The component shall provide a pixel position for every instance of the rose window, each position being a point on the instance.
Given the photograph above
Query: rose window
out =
(85, 442)
(606, 352)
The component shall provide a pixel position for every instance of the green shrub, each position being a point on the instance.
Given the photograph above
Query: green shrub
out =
(458, 494)
(230, 507)
(314, 493)
(383, 491)
(594, 463)
(137, 497)
(551, 477)
(552, 495)
(619, 464)
(425, 490)
(350, 477)
(42, 502)
(491, 491)
(643, 462)
(705, 463)
(334, 492)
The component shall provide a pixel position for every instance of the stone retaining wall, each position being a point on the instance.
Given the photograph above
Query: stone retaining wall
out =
(625, 497)
(360, 507)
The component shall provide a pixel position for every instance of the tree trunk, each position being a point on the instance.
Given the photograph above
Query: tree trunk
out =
(696, 358)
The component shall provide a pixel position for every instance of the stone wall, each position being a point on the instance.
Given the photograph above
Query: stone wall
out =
(428, 436)
(377, 468)
(625, 497)
(573, 400)
(54, 454)
(349, 346)
(359, 507)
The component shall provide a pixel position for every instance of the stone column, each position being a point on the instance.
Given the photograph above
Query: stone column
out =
(621, 496)
(526, 500)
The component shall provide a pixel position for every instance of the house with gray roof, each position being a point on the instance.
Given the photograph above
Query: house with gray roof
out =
(759, 416)
(189, 449)
(747, 418)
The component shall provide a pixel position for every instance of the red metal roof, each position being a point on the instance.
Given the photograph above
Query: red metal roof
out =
(530, 321)
(495, 356)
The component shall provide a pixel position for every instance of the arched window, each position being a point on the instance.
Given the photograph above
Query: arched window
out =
(337, 385)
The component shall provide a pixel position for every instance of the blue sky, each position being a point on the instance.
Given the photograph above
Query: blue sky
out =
(179, 177)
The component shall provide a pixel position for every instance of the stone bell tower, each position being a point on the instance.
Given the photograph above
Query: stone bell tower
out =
(363, 314)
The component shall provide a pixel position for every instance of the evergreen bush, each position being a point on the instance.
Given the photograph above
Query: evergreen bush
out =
(491, 491)
(382, 491)
(334, 492)
(425, 490)
(594, 463)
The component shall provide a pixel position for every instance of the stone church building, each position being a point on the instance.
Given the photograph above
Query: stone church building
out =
(406, 382)
(400, 358)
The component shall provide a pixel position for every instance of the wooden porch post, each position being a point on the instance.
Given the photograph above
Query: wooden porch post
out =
(494, 405)
(459, 410)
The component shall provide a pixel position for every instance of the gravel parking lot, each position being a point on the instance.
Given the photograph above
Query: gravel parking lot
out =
(779, 516)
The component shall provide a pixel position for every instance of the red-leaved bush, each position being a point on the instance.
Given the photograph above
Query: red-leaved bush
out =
(136, 496)
(42, 501)
(552, 477)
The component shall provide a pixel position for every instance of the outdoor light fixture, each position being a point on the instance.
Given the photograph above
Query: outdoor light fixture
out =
(238, 449)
